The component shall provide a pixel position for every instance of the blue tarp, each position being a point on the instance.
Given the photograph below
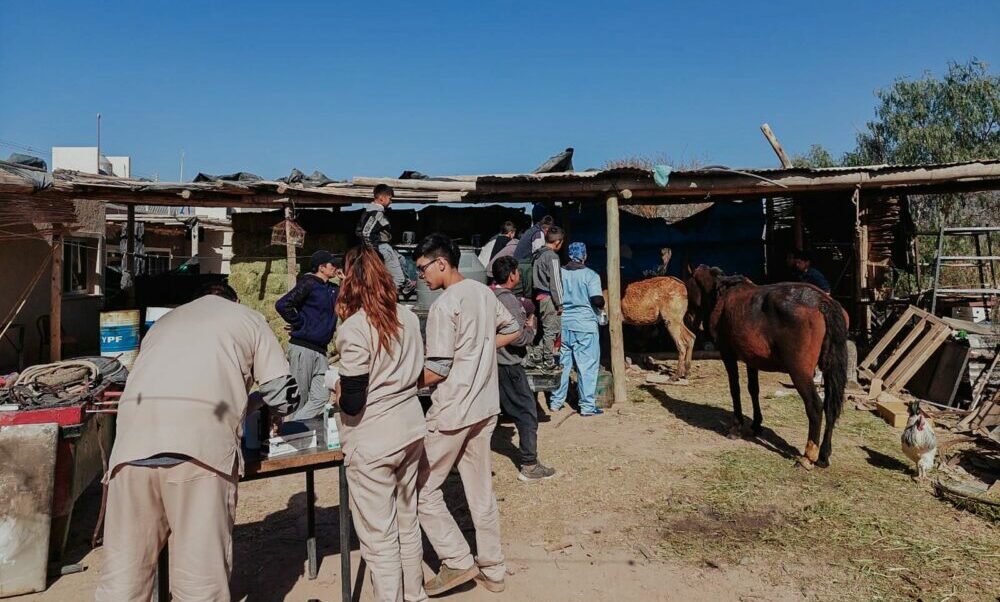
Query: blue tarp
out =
(727, 235)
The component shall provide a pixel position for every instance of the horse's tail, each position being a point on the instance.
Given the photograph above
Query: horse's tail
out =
(833, 358)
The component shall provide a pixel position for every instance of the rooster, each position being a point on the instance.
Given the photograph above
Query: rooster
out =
(919, 441)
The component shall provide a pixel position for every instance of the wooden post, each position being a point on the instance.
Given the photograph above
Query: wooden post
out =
(293, 266)
(55, 300)
(797, 225)
(615, 301)
(773, 140)
(195, 241)
(769, 249)
(128, 262)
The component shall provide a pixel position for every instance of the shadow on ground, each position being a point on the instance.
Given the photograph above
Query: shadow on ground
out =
(717, 420)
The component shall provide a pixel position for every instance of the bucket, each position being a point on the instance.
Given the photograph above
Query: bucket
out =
(605, 396)
(153, 314)
(120, 335)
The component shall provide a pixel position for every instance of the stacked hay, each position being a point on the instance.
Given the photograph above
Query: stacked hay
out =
(259, 271)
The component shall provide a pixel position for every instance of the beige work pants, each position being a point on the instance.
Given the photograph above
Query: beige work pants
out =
(384, 505)
(469, 448)
(193, 505)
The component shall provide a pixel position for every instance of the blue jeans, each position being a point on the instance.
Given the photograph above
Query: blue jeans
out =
(585, 349)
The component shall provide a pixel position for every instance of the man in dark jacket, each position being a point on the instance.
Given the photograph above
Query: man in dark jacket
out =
(533, 238)
(548, 294)
(802, 264)
(516, 397)
(375, 232)
(309, 310)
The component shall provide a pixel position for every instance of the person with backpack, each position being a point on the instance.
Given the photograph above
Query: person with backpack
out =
(533, 238)
(546, 280)
(508, 235)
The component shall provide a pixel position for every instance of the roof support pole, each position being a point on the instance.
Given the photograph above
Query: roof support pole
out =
(615, 300)
(128, 261)
(293, 265)
(55, 298)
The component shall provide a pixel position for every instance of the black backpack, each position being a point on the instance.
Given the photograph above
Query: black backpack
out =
(526, 286)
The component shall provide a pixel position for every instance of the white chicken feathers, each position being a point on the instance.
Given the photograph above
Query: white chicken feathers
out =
(919, 441)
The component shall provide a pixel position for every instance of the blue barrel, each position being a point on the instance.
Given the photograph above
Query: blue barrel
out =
(120, 335)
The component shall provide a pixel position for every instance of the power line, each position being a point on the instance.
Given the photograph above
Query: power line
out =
(24, 148)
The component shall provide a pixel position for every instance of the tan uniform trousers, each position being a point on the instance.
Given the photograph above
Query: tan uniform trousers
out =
(469, 448)
(384, 504)
(193, 505)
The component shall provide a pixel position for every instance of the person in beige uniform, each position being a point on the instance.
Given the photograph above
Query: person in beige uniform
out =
(465, 325)
(176, 459)
(381, 424)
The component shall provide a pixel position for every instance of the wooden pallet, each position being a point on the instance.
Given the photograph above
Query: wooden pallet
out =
(917, 346)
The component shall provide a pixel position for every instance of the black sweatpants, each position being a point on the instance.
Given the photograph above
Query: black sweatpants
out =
(518, 402)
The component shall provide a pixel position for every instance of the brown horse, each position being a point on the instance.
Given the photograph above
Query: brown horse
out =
(646, 302)
(786, 327)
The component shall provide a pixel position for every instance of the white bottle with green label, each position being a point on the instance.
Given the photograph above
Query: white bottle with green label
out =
(330, 432)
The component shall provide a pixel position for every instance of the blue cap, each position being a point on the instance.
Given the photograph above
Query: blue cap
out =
(577, 251)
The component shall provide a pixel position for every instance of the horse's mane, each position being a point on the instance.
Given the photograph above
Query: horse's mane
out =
(728, 282)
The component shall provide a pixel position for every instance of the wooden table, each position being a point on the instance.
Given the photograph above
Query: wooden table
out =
(307, 461)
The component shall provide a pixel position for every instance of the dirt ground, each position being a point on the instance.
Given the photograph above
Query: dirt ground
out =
(654, 502)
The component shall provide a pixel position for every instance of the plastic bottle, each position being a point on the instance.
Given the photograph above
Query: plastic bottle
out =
(330, 433)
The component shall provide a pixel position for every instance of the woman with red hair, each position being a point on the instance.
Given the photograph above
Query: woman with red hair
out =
(381, 423)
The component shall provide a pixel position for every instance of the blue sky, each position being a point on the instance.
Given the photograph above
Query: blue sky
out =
(373, 88)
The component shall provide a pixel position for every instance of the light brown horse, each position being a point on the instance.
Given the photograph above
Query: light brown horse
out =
(647, 302)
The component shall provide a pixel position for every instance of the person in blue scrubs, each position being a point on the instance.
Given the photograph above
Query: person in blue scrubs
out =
(582, 300)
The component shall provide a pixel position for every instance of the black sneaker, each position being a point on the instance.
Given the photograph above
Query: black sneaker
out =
(407, 289)
(536, 472)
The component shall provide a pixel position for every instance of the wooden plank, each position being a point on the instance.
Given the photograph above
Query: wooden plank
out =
(921, 353)
(55, 300)
(892, 409)
(872, 356)
(984, 380)
(293, 266)
(27, 484)
(615, 301)
(937, 380)
(776, 146)
(302, 459)
(901, 351)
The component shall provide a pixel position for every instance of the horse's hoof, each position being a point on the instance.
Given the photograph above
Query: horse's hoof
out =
(804, 462)
(823, 463)
(757, 429)
(735, 432)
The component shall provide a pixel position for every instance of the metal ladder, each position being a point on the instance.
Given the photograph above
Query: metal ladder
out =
(978, 260)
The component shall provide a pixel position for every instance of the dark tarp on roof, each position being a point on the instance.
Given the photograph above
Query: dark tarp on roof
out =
(313, 180)
(28, 160)
(240, 176)
(557, 163)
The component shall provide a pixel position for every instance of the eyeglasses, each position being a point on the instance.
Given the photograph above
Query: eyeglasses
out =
(423, 268)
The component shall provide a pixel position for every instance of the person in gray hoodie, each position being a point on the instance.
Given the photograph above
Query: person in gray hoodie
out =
(546, 278)
(516, 398)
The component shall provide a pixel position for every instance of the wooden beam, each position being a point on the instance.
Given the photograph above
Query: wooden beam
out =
(797, 230)
(615, 301)
(773, 140)
(293, 266)
(55, 300)
(128, 261)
